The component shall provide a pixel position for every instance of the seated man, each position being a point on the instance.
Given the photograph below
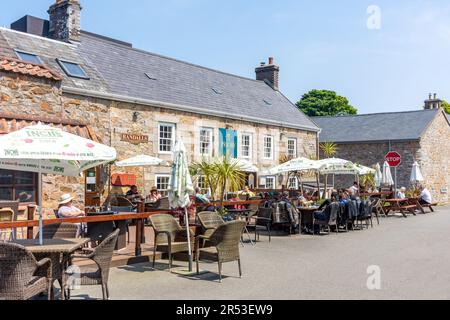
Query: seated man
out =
(200, 197)
(425, 196)
(134, 195)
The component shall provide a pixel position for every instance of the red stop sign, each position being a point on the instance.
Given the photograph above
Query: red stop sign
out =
(393, 158)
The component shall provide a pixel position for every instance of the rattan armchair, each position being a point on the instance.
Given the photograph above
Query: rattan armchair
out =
(87, 275)
(225, 245)
(18, 267)
(210, 221)
(59, 231)
(14, 207)
(170, 237)
(6, 215)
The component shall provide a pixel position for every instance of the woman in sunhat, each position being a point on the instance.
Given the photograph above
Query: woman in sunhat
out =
(66, 208)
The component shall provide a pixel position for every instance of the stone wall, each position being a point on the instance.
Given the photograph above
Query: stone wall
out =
(110, 119)
(434, 158)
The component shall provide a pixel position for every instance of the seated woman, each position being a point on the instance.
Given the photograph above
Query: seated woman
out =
(66, 209)
(154, 196)
(401, 194)
(247, 192)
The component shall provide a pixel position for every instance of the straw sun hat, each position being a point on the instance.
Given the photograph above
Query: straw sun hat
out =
(65, 198)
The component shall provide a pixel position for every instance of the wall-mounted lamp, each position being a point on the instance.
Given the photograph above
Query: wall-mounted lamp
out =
(135, 116)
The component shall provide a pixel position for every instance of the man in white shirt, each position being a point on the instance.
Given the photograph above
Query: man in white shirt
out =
(425, 196)
(401, 194)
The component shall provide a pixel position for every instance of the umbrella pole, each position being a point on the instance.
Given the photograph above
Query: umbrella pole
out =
(186, 222)
(41, 239)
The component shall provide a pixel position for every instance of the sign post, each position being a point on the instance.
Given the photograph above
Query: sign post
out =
(394, 159)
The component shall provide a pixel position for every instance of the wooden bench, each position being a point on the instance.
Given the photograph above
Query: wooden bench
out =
(430, 206)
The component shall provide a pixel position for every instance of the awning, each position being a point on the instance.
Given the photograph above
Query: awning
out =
(11, 122)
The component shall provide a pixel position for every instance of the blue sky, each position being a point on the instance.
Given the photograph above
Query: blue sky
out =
(323, 44)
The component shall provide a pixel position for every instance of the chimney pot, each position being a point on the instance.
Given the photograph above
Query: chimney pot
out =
(270, 61)
(435, 96)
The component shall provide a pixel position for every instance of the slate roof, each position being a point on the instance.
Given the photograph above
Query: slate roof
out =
(17, 66)
(395, 126)
(118, 69)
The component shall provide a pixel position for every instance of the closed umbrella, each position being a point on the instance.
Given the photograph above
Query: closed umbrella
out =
(378, 175)
(181, 187)
(45, 149)
(387, 175)
(416, 174)
(140, 161)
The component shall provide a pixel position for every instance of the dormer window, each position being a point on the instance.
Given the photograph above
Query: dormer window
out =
(28, 57)
(72, 69)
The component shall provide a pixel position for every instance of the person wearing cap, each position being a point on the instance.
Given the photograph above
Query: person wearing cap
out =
(66, 208)
(154, 196)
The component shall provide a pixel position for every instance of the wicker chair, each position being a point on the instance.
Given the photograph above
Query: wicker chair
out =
(14, 206)
(87, 275)
(170, 237)
(210, 221)
(59, 231)
(225, 245)
(366, 214)
(17, 273)
(6, 215)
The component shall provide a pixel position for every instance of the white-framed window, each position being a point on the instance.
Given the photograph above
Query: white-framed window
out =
(292, 147)
(166, 134)
(162, 184)
(293, 183)
(268, 147)
(206, 141)
(201, 183)
(246, 145)
(270, 183)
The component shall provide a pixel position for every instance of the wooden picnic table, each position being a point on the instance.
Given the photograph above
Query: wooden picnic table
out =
(58, 251)
(400, 205)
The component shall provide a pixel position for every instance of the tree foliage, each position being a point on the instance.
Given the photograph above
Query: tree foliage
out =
(325, 103)
(446, 106)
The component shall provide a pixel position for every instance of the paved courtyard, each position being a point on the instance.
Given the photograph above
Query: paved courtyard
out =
(413, 256)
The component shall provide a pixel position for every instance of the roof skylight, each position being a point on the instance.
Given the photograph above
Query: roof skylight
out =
(72, 69)
(217, 91)
(28, 57)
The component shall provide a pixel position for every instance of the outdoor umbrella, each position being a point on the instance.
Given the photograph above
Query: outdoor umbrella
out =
(387, 175)
(140, 161)
(416, 174)
(246, 166)
(378, 175)
(181, 187)
(298, 164)
(50, 150)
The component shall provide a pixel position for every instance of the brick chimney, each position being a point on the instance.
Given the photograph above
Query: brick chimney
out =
(433, 102)
(65, 20)
(269, 73)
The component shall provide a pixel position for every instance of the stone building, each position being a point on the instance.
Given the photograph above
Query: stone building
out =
(137, 102)
(421, 136)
